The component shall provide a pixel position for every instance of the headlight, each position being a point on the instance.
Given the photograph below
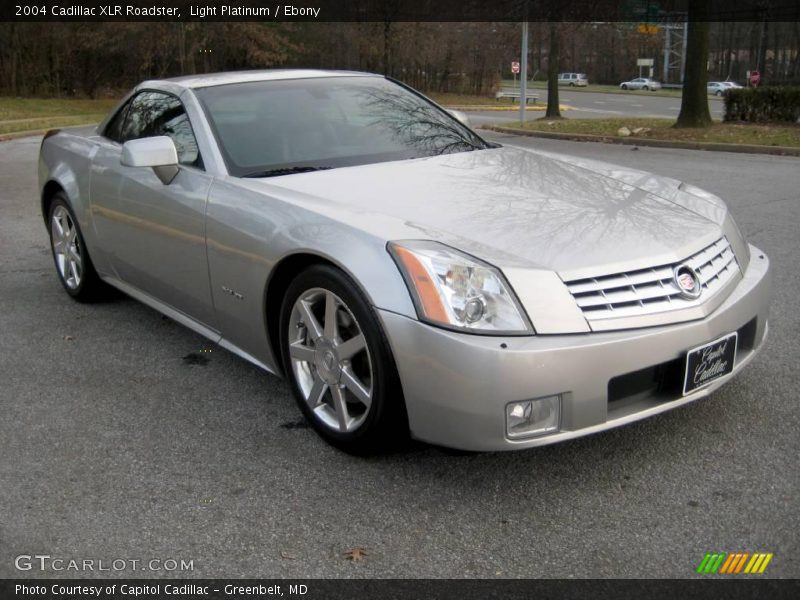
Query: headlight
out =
(458, 291)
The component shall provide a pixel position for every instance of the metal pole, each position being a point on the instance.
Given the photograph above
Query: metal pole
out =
(685, 42)
(666, 53)
(523, 73)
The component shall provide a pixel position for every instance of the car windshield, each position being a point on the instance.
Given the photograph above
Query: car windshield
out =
(288, 126)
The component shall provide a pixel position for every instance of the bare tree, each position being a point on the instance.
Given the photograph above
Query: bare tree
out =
(553, 109)
(694, 100)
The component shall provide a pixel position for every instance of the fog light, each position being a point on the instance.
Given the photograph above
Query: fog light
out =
(532, 418)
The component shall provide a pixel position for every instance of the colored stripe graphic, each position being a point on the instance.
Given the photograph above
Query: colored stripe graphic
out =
(703, 563)
(734, 562)
(728, 565)
(741, 563)
(711, 562)
(758, 563)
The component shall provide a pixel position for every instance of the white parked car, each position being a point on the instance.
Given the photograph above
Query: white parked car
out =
(573, 79)
(641, 83)
(717, 88)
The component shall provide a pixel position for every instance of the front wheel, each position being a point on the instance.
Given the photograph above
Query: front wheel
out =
(73, 264)
(719, 93)
(624, 87)
(339, 364)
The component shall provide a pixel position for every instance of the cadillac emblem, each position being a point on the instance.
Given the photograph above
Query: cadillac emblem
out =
(688, 282)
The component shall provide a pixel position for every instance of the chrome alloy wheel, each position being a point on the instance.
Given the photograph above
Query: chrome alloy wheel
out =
(66, 247)
(330, 360)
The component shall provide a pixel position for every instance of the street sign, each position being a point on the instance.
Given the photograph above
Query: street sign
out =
(514, 67)
(755, 78)
(648, 28)
(645, 62)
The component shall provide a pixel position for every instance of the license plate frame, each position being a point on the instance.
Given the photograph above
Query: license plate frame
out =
(710, 361)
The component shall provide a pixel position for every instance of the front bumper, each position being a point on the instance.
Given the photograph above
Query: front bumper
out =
(457, 385)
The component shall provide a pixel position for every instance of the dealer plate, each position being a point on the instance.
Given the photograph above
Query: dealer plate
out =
(709, 362)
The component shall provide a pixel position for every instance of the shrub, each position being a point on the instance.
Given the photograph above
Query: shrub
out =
(763, 104)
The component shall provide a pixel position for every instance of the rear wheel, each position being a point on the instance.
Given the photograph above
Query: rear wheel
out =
(73, 264)
(339, 364)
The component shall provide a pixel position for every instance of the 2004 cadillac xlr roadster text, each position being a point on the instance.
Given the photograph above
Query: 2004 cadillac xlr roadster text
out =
(403, 274)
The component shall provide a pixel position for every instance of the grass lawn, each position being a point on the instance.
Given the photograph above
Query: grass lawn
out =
(661, 129)
(30, 114)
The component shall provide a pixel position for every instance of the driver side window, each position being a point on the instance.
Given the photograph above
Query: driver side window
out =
(152, 114)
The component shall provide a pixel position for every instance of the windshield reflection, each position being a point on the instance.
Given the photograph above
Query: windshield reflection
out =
(293, 125)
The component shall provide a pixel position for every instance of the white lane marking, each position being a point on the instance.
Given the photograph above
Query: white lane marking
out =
(598, 102)
(638, 105)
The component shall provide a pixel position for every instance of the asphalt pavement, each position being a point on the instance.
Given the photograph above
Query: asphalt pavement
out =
(121, 439)
(600, 105)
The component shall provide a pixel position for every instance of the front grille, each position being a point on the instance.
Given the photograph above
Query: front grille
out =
(648, 291)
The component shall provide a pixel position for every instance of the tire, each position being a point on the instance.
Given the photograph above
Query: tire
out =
(571, 84)
(624, 87)
(344, 379)
(646, 89)
(718, 93)
(71, 258)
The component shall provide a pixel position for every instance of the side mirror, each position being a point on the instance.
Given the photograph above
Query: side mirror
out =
(460, 116)
(156, 152)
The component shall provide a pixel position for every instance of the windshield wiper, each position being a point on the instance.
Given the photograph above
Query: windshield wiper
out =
(284, 171)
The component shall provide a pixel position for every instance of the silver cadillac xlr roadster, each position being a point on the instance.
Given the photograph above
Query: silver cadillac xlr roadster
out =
(406, 276)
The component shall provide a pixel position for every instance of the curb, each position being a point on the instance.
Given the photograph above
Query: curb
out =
(632, 141)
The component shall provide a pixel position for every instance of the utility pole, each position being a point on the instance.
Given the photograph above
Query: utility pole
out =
(523, 72)
(683, 52)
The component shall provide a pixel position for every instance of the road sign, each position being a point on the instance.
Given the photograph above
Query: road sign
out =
(644, 62)
(514, 67)
(755, 78)
(648, 28)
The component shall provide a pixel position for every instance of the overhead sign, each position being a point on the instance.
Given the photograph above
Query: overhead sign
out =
(648, 28)
(515, 67)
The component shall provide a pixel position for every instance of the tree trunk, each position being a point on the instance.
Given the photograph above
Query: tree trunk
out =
(553, 111)
(694, 100)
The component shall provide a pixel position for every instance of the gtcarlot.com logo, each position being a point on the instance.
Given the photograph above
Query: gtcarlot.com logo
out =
(734, 563)
(45, 562)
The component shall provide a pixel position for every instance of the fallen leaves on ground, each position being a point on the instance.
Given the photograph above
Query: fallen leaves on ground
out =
(355, 554)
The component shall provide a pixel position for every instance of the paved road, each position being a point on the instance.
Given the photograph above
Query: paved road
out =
(114, 447)
(595, 105)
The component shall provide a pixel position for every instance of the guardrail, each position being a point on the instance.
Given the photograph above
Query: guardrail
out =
(516, 95)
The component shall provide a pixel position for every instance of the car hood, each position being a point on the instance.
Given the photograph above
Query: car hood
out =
(517, 207)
